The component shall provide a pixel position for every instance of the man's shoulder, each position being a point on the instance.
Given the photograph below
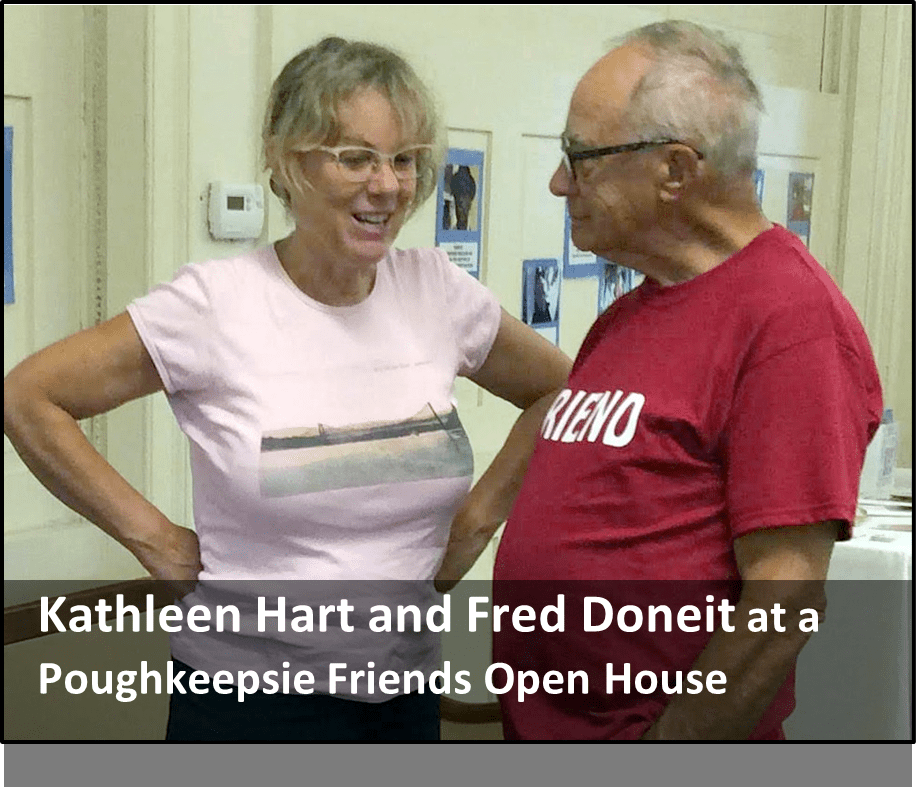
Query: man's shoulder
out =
(777, 272)
(786, 297)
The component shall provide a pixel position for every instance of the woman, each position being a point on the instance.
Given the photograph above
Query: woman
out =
(313, 378)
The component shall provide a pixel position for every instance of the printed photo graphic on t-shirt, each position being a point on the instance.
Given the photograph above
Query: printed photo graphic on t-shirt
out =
(317, 459)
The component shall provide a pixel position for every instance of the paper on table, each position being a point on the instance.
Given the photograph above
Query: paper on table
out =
(887, 526)
(873, 507)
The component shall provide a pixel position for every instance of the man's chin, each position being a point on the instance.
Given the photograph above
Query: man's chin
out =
(580, 237)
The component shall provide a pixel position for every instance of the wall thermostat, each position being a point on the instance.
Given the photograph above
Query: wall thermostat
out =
(236, 211)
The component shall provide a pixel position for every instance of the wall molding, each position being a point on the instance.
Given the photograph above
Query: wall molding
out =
(876, 210)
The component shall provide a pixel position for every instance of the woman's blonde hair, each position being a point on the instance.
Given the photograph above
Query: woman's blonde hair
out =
(304, 101)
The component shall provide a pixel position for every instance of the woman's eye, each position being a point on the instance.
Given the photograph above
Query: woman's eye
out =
(405, 160)
(356, 159)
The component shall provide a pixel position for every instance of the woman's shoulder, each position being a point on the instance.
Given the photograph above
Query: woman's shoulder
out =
(417, 270)
(252, 261)
(226, 275)
(421, 259)
(424, 264)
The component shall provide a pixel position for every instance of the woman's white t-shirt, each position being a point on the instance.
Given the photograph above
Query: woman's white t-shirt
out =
(325, 443)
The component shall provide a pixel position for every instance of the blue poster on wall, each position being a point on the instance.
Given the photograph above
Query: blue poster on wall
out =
(758, 185)
(541, 297)
(577, 264)
(801, 191)
(8, 292)
(615, 281)
(459, 209)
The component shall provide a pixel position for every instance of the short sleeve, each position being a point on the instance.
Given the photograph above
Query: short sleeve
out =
(172, 321)
(801, 420)
(474, 314)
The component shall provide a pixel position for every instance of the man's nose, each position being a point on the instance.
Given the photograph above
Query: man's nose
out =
(562, 181)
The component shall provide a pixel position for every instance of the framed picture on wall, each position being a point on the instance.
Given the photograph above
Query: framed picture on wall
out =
(541, 297)
(614, 282)
(801, 192)
(758, 185)
(577, 264)
(459, 208)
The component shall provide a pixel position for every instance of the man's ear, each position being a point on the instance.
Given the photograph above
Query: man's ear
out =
(680, 167)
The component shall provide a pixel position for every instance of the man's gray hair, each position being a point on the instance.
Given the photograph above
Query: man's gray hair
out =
(699, 91)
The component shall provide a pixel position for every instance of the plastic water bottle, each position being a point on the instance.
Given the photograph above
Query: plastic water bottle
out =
(888, 454)
(880, 461)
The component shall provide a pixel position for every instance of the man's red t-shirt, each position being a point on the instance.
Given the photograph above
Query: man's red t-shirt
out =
(694, 414)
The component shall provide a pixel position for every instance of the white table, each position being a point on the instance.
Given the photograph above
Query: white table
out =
(854, 679)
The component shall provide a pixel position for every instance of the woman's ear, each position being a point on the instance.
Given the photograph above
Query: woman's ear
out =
(287, 178)
(273, 162)
(281, 192)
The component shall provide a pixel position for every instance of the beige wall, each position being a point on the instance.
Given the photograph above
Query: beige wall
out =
(130, 112)
(869, 58)
(166, 99)
(173, 97)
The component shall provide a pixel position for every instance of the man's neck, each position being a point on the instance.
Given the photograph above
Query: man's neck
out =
(695, 240)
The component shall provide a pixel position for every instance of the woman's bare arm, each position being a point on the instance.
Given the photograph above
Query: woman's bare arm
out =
(527, 370)
(44, 397)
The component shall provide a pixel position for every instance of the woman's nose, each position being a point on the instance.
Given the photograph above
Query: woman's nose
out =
(383, 179)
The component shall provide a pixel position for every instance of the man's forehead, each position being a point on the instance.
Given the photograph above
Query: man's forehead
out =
(604, 91)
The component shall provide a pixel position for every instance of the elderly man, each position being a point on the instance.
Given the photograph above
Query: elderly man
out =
(713, 427)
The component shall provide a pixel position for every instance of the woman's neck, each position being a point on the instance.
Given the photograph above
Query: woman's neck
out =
(327, 283)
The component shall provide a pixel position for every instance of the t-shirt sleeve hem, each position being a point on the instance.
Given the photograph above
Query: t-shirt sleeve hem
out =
(796, 518)
(487, 345)
(136, 317)
(480, 300)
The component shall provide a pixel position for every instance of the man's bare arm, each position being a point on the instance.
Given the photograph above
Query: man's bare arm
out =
(788, 566)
